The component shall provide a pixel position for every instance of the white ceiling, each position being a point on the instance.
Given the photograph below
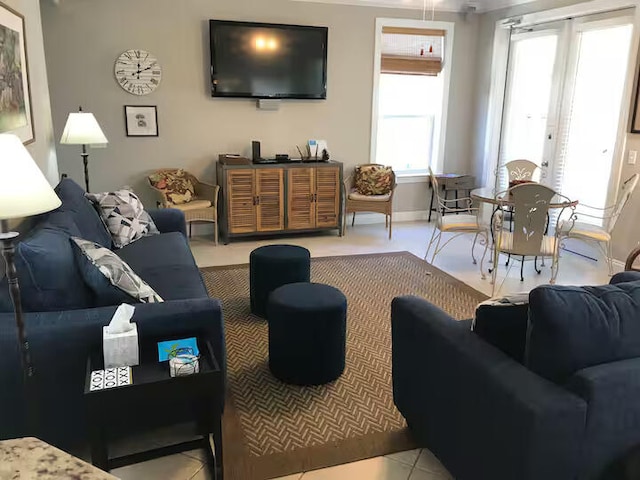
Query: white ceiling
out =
(440, 5)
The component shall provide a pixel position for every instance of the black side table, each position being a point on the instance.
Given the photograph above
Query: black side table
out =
(153, 400)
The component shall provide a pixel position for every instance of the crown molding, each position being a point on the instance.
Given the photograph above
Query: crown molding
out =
(480, 6)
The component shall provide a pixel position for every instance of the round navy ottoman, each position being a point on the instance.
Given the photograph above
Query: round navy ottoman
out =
(307, 333)
(271, 267)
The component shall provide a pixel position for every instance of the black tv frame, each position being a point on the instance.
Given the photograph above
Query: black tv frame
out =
(322, 96)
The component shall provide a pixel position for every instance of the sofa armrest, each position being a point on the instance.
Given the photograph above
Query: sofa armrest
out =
(169, 220)
(483, 414)
(611, 391)
(60, 345)
(624, 277)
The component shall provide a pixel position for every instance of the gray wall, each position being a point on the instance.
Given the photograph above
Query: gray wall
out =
(84, 37)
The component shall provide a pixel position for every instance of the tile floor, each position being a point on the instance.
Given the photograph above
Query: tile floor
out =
(417, 464)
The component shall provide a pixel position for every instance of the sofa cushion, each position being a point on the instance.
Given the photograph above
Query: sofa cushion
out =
(82, 212)
(502, 322)
(571, 328)
(124, 215)
(113, 274)
(165, 262)
(47, 272)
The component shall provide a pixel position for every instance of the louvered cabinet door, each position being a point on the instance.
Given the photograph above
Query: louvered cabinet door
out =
(327, 197)
(241, 200)
(300, 204)
(270, 200)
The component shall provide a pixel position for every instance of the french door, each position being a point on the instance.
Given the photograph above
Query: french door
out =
(565, 86)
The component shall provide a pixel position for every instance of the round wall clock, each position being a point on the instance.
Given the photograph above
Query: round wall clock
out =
(138, 72)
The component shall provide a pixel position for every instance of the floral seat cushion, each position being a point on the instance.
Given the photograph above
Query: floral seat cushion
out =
(373, 180)
(175, 184)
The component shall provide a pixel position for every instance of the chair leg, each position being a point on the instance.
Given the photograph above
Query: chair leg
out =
(522, 270)
(353, 220)
(386, 221)
(390, 225)
(215, 232)
(535, 266)
(433, 235)
(484, 254)
(555, 268)
(436, 251)
(610, 258)
(190, 223)
(473, 248)
(494, 271)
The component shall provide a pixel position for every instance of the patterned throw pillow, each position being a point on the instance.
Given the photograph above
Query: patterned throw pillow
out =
(175, 184)
(111, 278)
(374, 180)
(124, 215)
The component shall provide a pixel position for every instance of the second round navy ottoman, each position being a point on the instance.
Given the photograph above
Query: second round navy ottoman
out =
(271, 267)
(307, 333)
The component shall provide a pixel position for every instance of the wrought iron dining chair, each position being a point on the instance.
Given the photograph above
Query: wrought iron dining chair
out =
(521, 170)
(590, 232)
(465, 221)
(530, 202)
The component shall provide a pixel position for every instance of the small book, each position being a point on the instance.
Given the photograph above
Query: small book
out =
(169, 348)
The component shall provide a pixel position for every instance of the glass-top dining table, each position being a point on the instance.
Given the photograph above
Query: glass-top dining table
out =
(488, 195)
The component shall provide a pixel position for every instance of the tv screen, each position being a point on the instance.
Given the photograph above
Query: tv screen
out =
(260, 60)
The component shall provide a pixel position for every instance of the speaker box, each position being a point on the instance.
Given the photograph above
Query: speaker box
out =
(255, 151)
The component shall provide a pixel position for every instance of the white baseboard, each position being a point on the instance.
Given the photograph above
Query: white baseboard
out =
(371, 218)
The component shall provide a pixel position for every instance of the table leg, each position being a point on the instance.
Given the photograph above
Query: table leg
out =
(99, 449)
(457, 206)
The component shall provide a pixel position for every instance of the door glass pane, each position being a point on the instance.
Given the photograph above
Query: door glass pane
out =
(591, 126)
(408, 108)
(528, 100)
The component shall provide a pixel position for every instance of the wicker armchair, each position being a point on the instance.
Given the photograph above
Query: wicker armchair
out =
(202, 208)
(354, 202)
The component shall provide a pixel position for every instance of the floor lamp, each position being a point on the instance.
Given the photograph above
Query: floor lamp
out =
(82, 129)
(24, 192)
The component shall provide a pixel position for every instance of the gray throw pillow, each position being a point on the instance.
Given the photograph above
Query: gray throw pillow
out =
(124, 216)
(115, 270)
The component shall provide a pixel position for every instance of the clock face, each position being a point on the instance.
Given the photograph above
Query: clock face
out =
(138, 72)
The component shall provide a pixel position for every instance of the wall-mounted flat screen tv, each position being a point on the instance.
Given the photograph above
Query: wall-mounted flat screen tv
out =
(263, 60)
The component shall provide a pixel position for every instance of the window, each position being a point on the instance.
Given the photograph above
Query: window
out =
(412, 71)
(408, 119)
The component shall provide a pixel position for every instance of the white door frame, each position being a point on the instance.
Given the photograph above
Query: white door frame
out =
(449, 28)
(499, 78)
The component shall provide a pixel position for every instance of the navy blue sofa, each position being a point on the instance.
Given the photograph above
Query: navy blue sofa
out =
(64, 320)
(569, 409)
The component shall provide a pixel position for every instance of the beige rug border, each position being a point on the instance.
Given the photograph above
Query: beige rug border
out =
(240, 465)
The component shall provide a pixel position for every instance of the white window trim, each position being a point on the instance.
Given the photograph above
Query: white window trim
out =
(499, 77)
(449, 28)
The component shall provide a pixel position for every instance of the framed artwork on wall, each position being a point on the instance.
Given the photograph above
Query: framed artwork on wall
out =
(15, 95)
(141, 120)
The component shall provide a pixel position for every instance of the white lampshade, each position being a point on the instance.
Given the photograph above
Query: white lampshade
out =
(82, 129)
(24, 190)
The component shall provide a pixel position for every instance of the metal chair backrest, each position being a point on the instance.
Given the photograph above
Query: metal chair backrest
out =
(436, 192)
(521, 170)
(626, 191)
(530, 208)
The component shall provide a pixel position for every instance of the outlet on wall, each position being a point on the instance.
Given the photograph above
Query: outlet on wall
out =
(633, 157)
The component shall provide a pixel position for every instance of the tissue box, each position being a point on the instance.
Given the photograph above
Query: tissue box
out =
(120, 349)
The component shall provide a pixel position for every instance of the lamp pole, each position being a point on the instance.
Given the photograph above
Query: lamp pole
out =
(8, 251)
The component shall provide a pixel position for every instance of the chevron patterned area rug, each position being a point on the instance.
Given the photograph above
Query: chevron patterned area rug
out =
(273, 429)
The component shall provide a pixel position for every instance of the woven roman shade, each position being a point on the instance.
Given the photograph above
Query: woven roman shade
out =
(412, 51)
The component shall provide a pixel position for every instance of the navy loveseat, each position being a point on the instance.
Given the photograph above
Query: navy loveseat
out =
(570, 409)
(64, 320)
